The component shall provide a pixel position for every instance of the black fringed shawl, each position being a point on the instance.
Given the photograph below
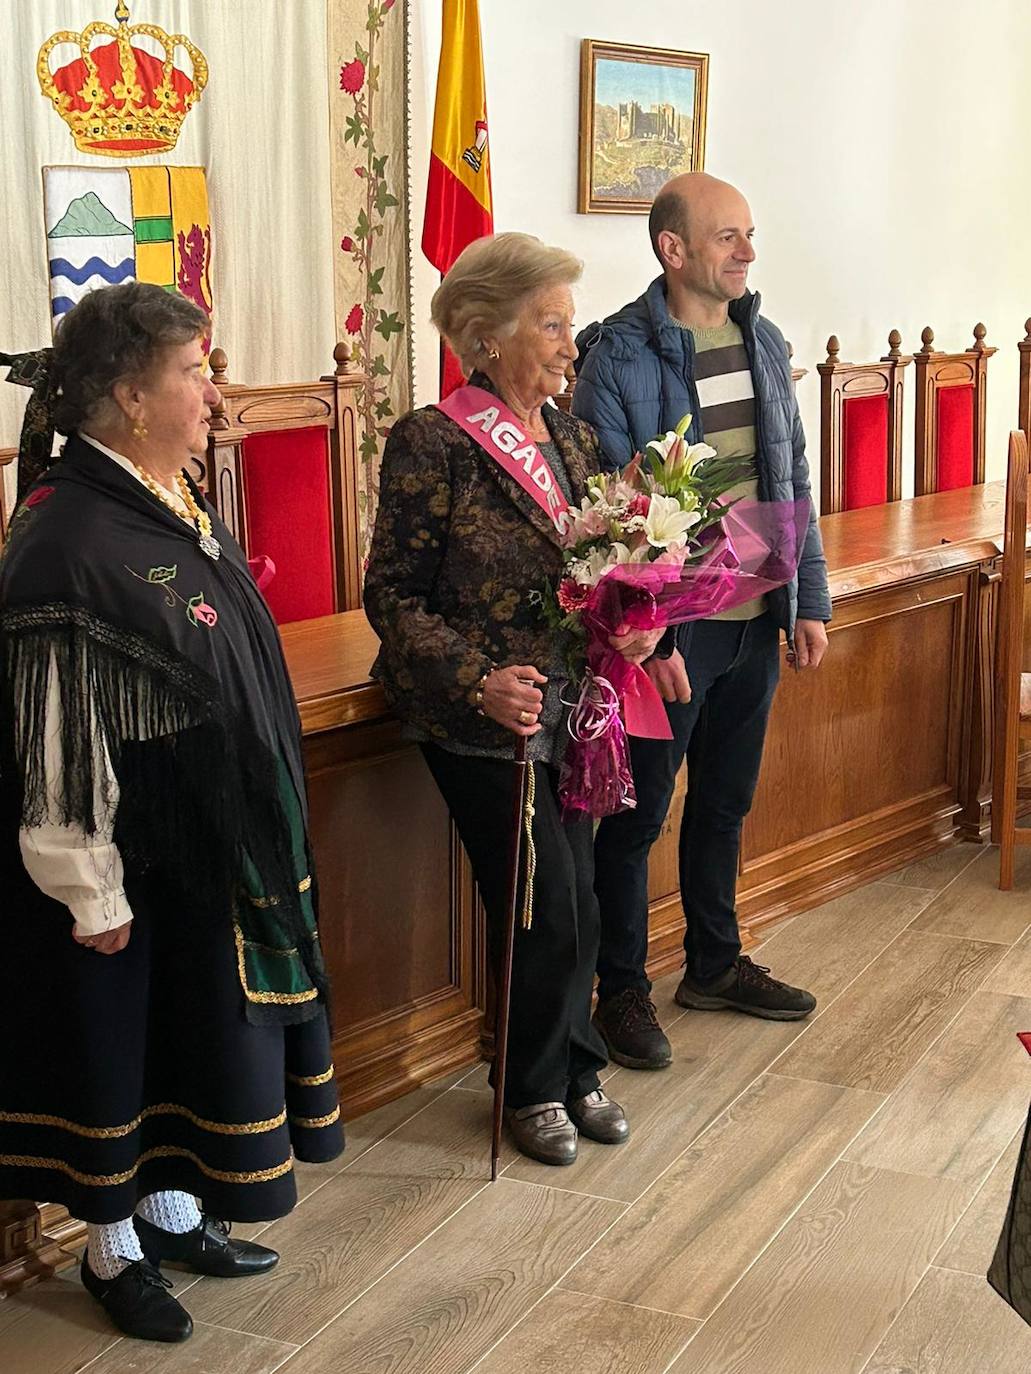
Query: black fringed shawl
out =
(174, 660)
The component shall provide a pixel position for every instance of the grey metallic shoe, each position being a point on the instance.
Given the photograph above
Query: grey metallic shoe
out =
(544, 1132)
(599, 1118)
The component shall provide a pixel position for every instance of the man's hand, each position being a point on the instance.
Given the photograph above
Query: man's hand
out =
(636, 645)
(669, 676)
(107, 942)
(810, 644)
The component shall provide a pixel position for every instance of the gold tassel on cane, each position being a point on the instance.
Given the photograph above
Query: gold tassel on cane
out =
(531, 852)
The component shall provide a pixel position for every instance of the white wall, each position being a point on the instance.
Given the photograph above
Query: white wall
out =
(883, 147)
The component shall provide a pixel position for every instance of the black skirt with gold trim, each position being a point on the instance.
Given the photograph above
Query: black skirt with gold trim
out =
(128, 1074)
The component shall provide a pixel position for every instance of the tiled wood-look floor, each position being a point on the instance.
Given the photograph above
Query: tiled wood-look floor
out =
(818, 1199)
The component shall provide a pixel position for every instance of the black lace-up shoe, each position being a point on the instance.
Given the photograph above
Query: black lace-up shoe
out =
(746, 987)
(139, 1303)
(631, 1031)
(208, 1249)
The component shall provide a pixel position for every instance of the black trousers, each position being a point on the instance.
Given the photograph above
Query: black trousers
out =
(733, 667)
(554, 1053)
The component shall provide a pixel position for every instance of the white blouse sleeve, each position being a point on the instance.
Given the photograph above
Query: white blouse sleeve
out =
(82, 871)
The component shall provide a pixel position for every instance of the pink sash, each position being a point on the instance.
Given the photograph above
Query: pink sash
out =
(487, 420)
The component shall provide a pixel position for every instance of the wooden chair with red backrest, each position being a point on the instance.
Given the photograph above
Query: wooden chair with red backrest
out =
(283, 474)
(861, 428)
(951, 394)
(1013, 687)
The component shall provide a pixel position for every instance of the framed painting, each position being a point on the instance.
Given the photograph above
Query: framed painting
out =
(642, 121)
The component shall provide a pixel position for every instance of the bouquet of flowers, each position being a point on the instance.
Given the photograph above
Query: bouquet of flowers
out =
(658, 544)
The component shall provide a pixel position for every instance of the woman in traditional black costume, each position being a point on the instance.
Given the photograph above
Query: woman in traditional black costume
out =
(165, 1030)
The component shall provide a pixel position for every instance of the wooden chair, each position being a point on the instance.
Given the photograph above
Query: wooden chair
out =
(1024, 408)
(951, 392)
(1013, 687)
(861, 428)
(282, 471)
(7, 456)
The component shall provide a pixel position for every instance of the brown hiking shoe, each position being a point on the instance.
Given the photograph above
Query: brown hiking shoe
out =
(629, 1025)
(746, 987)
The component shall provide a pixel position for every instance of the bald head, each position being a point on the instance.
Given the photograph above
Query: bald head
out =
(701, 231)
(693, 205)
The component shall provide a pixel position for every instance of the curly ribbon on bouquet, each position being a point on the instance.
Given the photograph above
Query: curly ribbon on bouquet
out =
(595, 776)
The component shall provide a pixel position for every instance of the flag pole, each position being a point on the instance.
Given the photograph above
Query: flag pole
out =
(504, 986)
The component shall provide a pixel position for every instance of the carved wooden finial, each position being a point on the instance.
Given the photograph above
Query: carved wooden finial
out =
(219, 362)
(979, 333)
(894, 344)
(1027, 331)
(833, 348)
(927, 339)
(345, 364)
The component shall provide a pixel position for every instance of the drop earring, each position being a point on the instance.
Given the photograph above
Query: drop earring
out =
(139, 430)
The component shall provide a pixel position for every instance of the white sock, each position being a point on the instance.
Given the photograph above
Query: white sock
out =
(112, 1248)
(175, 1212)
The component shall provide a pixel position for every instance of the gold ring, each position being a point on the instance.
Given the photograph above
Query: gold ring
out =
(526, 717)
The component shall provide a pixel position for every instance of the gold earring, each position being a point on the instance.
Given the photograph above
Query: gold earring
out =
(493, 355)
(139, 430)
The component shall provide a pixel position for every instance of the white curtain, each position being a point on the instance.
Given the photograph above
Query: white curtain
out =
(261, 129)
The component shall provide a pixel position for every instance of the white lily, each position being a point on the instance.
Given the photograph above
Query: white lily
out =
(667, 523)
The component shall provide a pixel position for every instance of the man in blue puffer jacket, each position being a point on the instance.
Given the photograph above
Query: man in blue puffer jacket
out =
(695, 344)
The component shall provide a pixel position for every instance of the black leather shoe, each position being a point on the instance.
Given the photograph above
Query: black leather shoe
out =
(208, 1249)
(749, 988)
(631, 1031)
(138, 1302)
(544, 1132)
(599, 1118)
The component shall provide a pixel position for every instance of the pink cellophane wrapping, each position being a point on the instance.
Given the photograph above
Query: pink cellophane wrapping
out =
(755, 548)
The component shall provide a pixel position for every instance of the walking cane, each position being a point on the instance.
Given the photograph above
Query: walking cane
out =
(519, 818)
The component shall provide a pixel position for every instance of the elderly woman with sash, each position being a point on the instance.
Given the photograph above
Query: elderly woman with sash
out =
(474, 494)
(165, 1032)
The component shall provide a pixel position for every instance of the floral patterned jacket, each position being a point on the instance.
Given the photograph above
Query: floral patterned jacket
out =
(457, 549)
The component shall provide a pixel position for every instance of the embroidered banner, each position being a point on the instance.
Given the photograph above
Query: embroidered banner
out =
(111, 224)
(368, 54)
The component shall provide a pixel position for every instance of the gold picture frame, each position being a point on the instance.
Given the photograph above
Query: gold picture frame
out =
(633, 106)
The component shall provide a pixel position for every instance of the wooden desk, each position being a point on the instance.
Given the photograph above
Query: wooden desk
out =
(881, 756)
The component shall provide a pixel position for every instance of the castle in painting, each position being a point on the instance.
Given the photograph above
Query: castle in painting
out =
(661, 124)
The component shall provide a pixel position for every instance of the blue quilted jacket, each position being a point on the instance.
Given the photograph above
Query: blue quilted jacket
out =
(635, 379)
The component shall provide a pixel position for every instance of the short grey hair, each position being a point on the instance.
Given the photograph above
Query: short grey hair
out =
(487, 287)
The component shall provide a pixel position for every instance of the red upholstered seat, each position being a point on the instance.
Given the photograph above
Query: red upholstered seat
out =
(287, 499)
(955, 437)
(865, 446)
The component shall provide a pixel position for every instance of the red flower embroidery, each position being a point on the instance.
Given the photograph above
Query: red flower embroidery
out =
(352, 77)
(347, 245)
(199, 612)
(39, 494)
(355, 320)
(387, 5)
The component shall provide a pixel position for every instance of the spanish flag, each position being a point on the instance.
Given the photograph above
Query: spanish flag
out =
(459, 207)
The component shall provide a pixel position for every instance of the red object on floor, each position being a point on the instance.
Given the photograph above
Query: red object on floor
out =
(955, 437)
(1025, 1039)
(864, 445)
(289, 518)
